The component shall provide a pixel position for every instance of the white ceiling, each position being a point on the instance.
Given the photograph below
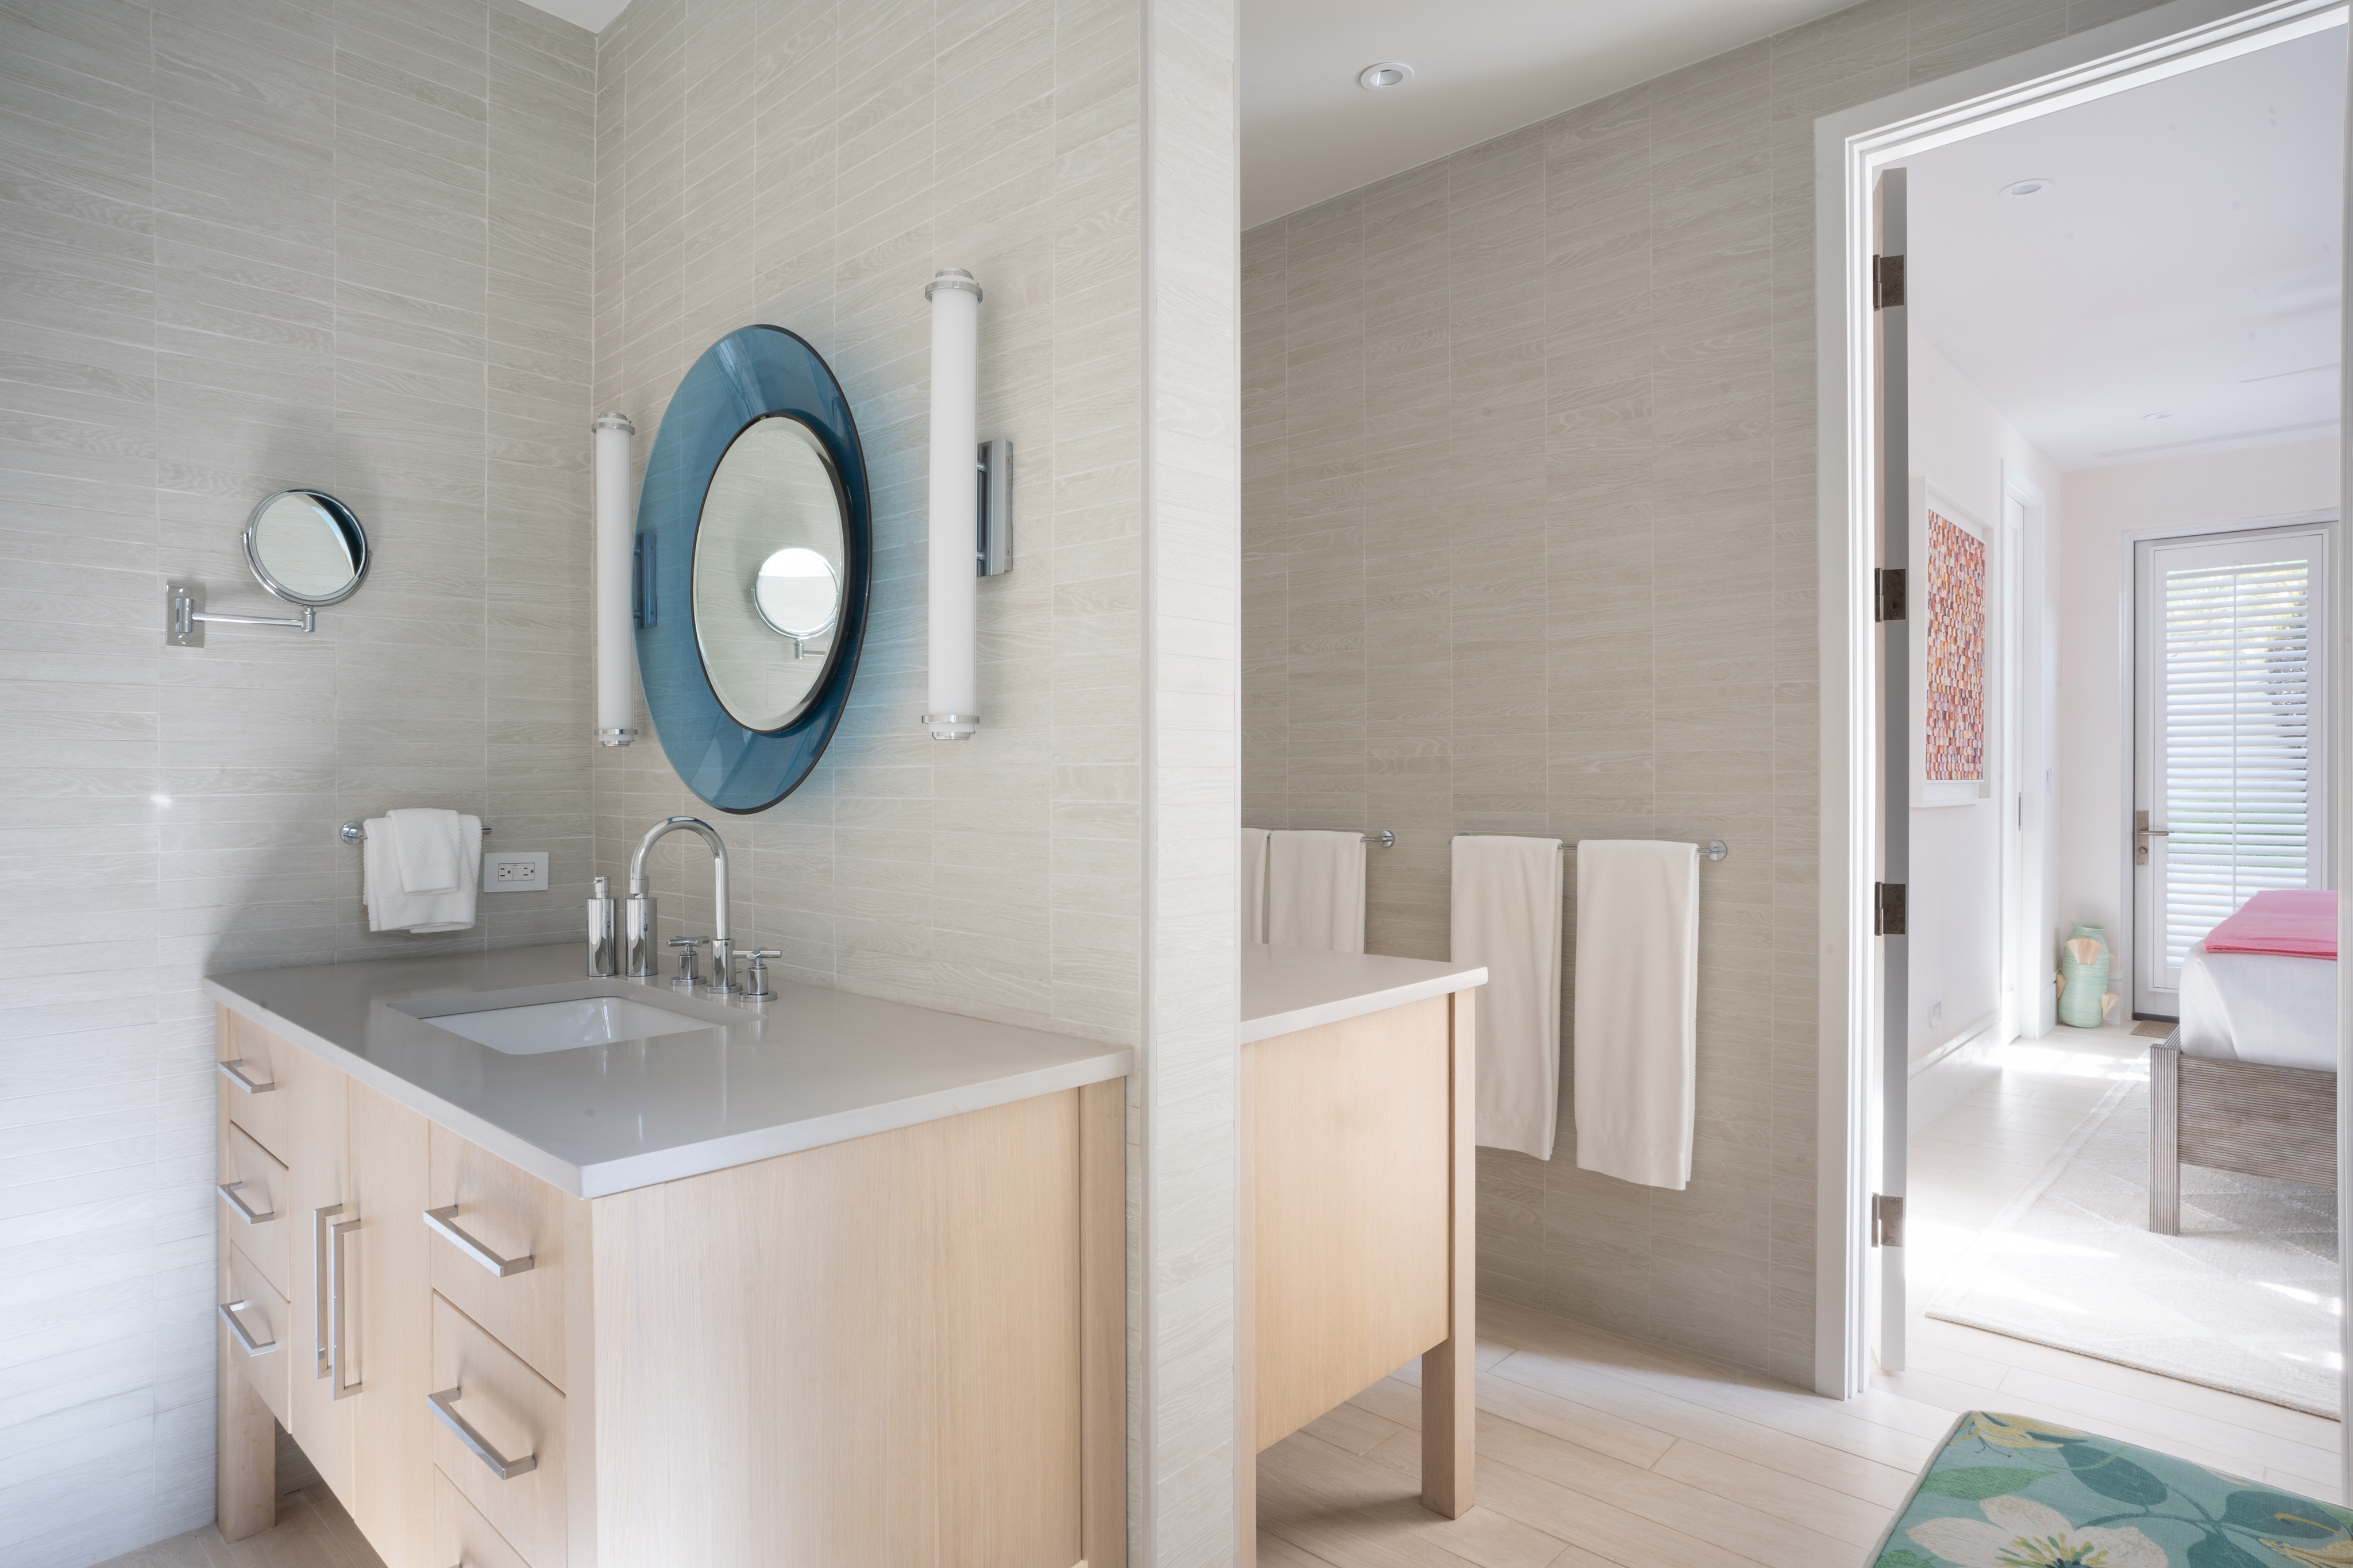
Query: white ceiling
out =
(2185, 263)
(594, 14)
(1480, 67)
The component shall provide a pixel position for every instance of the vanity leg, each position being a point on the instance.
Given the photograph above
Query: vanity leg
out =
(1450, 1370)
(247, 1470)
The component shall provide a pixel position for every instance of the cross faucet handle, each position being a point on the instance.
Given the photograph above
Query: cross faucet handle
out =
(689, 946)
(756, 979)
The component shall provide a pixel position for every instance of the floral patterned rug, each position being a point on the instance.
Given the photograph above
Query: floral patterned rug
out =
(2245, 1298)
(2005, 1491)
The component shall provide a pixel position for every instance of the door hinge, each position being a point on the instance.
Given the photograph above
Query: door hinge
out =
(1886, 1220)
(1887, 282)
(1887, 910)
(1887, 594)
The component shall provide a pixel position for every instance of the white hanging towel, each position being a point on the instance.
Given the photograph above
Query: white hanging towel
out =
(1253, 891)
(392, 903)
(1507, 898)
(1316, 890)
(1637, 1024)
(433, 847)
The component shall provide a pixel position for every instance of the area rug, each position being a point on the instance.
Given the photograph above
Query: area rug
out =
(2246, 1299)
(2010, 1491)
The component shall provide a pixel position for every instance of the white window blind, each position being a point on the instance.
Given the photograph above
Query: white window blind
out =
(2237, 747)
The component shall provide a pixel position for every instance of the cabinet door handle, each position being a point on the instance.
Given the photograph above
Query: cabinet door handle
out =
(329, 1296)
(444, 1223)
(244, 1210)
(445, 1406)
(228, 1311)
(230, 1070)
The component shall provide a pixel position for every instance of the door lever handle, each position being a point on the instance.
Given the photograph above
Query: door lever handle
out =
(2142, 834)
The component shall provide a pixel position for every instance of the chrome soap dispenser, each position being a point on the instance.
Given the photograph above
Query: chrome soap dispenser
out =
(604, 932)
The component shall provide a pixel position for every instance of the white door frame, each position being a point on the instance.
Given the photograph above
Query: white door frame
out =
(2030, 730)
(1849, 147)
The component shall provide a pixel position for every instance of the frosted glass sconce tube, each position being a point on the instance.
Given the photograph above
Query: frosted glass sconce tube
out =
(953, 691)
(616, 651)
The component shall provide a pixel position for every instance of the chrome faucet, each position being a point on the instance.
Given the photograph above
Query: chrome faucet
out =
(637, 919)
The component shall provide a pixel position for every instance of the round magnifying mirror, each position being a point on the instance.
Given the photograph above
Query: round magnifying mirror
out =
(769, 552)
(306, 547)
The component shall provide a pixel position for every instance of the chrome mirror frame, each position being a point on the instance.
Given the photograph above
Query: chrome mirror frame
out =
(344, 518)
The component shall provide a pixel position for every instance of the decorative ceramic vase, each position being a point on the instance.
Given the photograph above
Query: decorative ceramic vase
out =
(2084, 978)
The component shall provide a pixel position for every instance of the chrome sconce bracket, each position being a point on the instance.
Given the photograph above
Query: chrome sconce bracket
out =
(184, 616)
(993, 541)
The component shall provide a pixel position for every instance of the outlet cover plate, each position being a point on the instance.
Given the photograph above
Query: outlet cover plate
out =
(514, 871)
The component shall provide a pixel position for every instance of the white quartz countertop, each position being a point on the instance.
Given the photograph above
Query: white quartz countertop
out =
(814, 1067)
(1289, 988)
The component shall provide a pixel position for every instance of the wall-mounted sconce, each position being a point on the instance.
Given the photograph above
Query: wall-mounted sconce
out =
(616, 651)
(969, 509)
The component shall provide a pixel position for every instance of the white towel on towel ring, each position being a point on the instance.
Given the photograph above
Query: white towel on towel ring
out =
(1637, 1017)
(1506, 916)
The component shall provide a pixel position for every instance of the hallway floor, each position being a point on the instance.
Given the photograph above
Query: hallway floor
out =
(1596, 1450)
(1969, 1164)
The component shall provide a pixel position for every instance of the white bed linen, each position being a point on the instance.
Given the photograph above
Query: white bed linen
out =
(2264, 1008)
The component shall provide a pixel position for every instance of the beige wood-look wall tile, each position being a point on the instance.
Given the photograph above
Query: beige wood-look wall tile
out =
(1529, 506)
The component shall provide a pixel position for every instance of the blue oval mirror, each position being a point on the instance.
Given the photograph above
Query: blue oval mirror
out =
(755, 545)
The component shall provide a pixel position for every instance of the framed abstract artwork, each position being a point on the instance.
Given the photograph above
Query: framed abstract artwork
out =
(1951, 575)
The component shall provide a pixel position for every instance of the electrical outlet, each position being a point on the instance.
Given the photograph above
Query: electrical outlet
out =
(514, 871)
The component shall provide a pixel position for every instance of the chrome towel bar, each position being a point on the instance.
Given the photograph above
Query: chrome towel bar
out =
(353, 833)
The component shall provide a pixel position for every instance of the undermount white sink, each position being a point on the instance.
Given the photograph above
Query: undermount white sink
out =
(566, 1025)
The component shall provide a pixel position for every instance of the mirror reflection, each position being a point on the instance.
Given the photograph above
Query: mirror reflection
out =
(306, 547)
(769, 554)
(798, 596)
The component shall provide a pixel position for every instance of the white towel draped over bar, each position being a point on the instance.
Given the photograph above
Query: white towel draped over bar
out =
(1316, 890)
(1506, 916)
(1253, 893)
(1636, 1031)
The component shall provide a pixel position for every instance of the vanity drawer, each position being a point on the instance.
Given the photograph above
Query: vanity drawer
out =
(462, 1536)
(254, 1184)
(504, 1219)
(514, 1418)
(261, 1321)
(249, 1056)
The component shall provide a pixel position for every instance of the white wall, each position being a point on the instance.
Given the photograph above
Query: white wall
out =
(2102, 506)
(1960, 442)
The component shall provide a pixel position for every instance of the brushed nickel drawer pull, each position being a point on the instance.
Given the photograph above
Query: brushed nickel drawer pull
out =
(228, 1311)
(445, 1406)
(229, 1071)
(245, 1211)
(339, 1314)
(444, 1222)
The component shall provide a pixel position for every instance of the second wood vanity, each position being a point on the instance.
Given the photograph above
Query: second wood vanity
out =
(1358, 1175)
(839, 1283)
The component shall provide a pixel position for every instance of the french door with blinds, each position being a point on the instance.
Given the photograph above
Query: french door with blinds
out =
(2229, 710)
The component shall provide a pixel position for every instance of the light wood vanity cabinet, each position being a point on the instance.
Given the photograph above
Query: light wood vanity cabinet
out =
(902, 1349)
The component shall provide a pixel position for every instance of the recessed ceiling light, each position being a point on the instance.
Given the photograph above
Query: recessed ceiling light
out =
(2156, 415)
(1383, 75)
(2033, 187)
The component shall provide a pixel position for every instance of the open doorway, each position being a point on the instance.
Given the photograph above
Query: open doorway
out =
(2102, 453)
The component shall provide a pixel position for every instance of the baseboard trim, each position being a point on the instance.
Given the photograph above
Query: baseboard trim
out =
(1950, 1073)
